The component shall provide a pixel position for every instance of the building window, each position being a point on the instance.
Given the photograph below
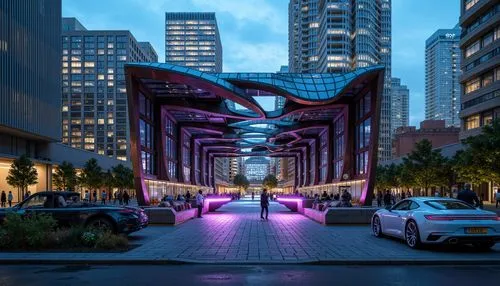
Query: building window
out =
(473, 48)
(470, 3)
(487, 118)
(338, 139)
(472, 85)
(472, 122)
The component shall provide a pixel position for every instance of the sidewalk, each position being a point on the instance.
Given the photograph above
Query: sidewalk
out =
(236, 235)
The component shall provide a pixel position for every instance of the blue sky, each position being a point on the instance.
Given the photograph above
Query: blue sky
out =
(254, 33)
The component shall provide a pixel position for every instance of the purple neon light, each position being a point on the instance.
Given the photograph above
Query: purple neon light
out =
(218, 199)
(295, 200)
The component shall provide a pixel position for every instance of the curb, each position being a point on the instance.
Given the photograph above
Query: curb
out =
(339, 262)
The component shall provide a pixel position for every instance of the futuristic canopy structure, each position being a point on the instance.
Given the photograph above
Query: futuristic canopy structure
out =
(181, 119)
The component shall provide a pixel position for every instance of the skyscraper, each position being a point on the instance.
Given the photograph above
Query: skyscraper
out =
(442, 72)
(339, 36)
(480, 80)
(256, 168)
(94, 96)
(192, 39)
(400, 104)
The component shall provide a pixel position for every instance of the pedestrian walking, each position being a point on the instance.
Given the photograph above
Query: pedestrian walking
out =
(10, 198)
(86, 196)
(103, 197)
(469, 196)
(253, 195)
(94, 196)
(188, 196)
(264, 204)
(379, 198)
(199, 202)
(3, 199)
(110, 196)
(126, 198)
(497, 198)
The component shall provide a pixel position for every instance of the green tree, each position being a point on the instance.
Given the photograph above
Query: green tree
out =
(65, 177)
(479, 161)
(381, 178)
(22, 174)
(91, 175)
(123, 177)
(270, 182)
(108, 181)
(425, 165)
(241, 182)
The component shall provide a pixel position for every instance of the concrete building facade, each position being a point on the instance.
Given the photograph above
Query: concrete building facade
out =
(480, 79)
(435, 131)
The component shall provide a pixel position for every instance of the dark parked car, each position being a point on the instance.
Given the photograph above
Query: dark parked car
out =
(69, 210)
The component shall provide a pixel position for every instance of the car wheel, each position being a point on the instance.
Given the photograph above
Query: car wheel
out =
(483, 245)
(102, 224)
(377, 227)
(412, 236)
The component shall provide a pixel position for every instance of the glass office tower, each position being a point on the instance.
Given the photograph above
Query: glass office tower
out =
(442, 73)
(192, 39)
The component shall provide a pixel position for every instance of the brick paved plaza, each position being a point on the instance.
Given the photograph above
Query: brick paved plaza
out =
(235, 234)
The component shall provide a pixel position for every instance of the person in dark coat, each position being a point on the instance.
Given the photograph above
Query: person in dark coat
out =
(469, 196)
(264, 204)
(379, 198)
(387, 198)
(126, 198)
(3, 199)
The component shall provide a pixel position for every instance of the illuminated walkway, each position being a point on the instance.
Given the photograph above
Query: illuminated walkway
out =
(235, 233)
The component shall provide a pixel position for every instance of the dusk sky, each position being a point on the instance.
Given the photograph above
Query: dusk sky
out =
(254, 33)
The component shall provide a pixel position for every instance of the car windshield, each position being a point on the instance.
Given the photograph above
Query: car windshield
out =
(448, 205)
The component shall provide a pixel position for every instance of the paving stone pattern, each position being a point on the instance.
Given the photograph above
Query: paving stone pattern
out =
(236, 234)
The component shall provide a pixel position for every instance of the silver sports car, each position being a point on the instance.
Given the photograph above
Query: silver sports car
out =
(428, 220)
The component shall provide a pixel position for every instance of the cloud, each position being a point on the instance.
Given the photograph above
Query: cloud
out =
(259, 11)
(254, 57)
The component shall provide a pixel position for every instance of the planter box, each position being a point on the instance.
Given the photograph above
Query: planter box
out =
(354, 215)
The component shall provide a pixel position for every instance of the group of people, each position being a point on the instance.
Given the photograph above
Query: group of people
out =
(121, 196)
(344, 198)
(389, 198)
(6, 198)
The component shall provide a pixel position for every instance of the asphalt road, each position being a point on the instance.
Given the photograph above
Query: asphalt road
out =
(249, 275)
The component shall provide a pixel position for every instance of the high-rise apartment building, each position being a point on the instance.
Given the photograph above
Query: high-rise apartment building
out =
(234, 168)
(192, 39)
(332, 36)
(442, 72)
(480, 79)
(400, 104)
(256, 168)
(94, 96)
